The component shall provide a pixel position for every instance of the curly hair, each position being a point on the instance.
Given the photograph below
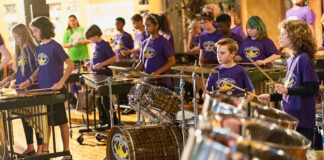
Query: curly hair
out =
(300, 36)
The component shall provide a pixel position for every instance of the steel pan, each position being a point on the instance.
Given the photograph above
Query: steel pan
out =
(222, 144)
(155, 102)
(153, 142)
(270, 134)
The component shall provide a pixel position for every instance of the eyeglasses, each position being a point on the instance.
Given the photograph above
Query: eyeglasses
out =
(202, 22)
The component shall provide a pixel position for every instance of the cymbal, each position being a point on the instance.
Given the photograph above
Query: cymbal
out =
(196, 69)
(118, 68)
(139, 74)
(175, 75)
(126, 60)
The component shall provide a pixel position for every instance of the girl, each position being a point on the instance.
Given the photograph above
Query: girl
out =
(298, 91)
(5, 52)
(24, 64)
(157, 56)
(235, 24)
(193, 40)
(165, 29)
(257, 45)
(75, 42)
(51, 73)
(300, 11)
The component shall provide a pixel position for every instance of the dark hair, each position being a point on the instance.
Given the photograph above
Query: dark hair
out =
(137, 18)
(120, 19)
(93, 30)
(45, 26)
(165, 23)
(223, 18)
(69, 27)
(208, 16)
(256, 22)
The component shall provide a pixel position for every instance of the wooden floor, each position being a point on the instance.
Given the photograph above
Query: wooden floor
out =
(91, 149)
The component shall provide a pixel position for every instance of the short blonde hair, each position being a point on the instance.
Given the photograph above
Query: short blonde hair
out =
(213, 8)
(230, 43)
(193, 24)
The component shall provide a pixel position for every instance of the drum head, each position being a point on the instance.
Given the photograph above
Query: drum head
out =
(117, 147)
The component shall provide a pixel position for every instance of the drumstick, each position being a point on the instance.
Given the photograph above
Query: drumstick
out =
(241, 89)
(261, 70)
(41, 89)
(242, 63)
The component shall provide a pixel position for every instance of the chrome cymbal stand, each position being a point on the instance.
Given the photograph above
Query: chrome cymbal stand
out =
(111, 110)
(194, 100)
(182, 92)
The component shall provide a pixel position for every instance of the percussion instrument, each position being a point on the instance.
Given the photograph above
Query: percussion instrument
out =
(151, 142)
(156, 102)
(131, 71)
(222, 144)
(31, 106)
(196, 69)
(123, 62)
(223, 104)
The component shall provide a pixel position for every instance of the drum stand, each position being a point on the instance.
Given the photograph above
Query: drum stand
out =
(194, 100)
(111, 110)
(182, 92)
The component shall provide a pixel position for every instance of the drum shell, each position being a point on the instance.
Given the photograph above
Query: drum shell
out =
(147, 142)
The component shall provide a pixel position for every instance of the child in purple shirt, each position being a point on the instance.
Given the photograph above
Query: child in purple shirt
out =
(257, 45)
(228, 72)
(50, 73)
(298, 91)
(223, 26)
(122, 40)
(165, 30)
(4, 51)
(157, 56)
(139, 37)
(193, 39)
(207, 39)
(301, 12)
(236, 24)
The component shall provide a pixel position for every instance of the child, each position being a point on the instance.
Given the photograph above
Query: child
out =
(123, 40)
(165, 29)
(193, 40)
(24, 64)
(235, 24)
(301, 12)
(257, 45)
(228, 71)
(139, 37)
(157, 56)
(101, 57)
(51, 73)
(4, 51)
(223, 26)
(214, 10)
(207, 39)
(298, 91)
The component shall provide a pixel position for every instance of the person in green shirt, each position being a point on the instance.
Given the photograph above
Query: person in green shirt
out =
(75, 42)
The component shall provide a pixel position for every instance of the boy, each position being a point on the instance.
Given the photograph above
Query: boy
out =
(228, 71)
(123, 40)
(139, 37)
(101, 57)
(223, 26)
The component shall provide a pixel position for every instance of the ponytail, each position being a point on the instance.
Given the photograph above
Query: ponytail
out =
(165, 23)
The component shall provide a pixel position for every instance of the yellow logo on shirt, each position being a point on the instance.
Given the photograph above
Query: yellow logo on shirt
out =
(42, 59)
(20, 61)
(252, 52)
(224, 84)
(209, 46)
(291, 80)
(149, 52)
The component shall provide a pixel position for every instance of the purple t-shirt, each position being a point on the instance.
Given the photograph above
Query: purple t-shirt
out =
(235, 75)
(257, 50)
(239, 31)
(168, 37)
(155, 54)
(194, 41)
(29, 67)
(138, 40)
(302, 13)
(234, 37)
(122, 42)
(100, 52)
(207, 44)
(300, 69)
(51, 57)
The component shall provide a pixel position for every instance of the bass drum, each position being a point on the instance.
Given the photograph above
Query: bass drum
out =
(153, 142)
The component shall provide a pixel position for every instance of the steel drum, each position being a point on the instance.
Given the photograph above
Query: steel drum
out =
(152, 142)
(155, 102)
(221, 144)
(269, 134)
(220, 103)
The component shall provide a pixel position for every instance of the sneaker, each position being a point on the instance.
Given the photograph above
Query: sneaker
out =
(128, 111)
